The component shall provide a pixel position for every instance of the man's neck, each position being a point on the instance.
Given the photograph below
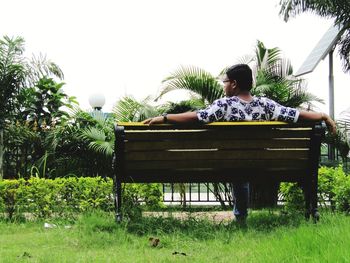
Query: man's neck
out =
(245, 96)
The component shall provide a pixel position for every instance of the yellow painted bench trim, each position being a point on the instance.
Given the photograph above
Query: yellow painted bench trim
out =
(235, 123)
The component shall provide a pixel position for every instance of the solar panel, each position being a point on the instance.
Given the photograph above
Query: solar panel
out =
(320, 51)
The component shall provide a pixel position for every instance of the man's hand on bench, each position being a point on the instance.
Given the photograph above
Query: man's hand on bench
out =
(154, 120)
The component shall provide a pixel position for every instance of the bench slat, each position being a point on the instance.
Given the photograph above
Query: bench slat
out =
(213, 125)
(219, 144)
(212, 154)
(216, 164)
(214, 134)
(215, 175)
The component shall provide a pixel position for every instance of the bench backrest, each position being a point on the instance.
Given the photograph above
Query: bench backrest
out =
(217, 152)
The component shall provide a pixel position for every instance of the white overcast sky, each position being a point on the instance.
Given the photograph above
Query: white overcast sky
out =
(127, 47)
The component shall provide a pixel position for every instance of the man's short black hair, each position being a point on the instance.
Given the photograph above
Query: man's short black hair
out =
(242, 74)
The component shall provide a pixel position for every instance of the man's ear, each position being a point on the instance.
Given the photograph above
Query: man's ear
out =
(234, 83)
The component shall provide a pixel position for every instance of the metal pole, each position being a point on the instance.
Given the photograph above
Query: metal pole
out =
(331, 85)
(331, 152)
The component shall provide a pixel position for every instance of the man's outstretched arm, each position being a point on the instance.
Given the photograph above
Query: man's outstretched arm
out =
(318, 116)
(186, 117)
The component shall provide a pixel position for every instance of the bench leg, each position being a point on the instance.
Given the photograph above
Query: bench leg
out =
(118, 202)
(314, 200)
(310, 195)
(307, 197)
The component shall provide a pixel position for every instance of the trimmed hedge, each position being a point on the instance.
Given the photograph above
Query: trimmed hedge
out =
(65, 197)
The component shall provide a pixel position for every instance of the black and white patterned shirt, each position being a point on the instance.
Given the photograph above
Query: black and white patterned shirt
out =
(236, 109)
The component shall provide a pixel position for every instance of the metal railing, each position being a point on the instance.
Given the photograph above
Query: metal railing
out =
(189, 192)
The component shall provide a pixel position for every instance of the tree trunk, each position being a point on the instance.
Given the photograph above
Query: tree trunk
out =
(1, 153)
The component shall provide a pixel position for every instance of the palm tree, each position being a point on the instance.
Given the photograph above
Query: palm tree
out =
(273, 75)
(12, 74)
(337, 9)
(274, 79)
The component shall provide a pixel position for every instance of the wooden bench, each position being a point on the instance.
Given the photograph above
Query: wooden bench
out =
(219, 152)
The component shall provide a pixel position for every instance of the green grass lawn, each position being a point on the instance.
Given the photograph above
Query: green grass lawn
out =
(269, 237)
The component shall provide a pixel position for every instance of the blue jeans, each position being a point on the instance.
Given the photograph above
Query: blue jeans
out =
(241, 196)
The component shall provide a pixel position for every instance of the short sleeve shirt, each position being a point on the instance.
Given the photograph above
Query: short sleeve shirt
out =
(236, 109)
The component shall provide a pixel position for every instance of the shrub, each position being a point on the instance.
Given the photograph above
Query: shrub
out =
(292, 195)
(44, 198)
(342, 192)
(333, 190)
(135, 194)
(12, 197)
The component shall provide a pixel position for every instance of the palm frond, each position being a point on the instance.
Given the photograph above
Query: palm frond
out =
(266, 59)
(12, 72)
(93, 133)
(284, 90)
(195, 80)
(344, 49)
(103, 147)
(129, 109)
(40, 66)
(183, 106)
(246, 59)
(98, 141)
(291, 8)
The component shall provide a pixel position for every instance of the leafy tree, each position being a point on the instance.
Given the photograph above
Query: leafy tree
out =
(85, 144)
(17, 72)
(339, 10)
(44, 103)
(38, 113)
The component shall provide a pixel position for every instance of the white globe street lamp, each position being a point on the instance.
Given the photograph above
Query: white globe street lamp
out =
(97, 100)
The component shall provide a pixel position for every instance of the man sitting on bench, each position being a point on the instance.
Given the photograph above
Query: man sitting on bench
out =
(240, 105)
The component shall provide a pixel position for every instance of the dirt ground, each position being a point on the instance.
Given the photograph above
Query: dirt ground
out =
(217, 216)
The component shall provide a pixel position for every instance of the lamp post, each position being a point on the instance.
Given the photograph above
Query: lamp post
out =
(97, 100)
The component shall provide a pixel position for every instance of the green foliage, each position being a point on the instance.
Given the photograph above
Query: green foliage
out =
(275, 80)
(20, 102)
(65, 197)
(18, 72)
(326, 184)
(11, 197)
(195, 80)
(128, 109)
(333, 191)
(43, 103)
(12, 73)
(42, 197)
(342, 192)
(135, 194)
(292, 196)
(339, 140)
(183, 106)
(334, 186)
(98, 140)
